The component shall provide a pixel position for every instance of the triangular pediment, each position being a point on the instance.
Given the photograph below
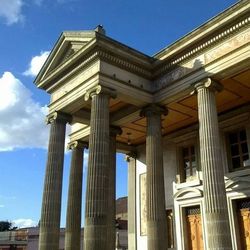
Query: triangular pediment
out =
(68, 44)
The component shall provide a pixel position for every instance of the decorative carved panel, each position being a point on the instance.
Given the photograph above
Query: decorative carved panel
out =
(244, 223)
(194, 229)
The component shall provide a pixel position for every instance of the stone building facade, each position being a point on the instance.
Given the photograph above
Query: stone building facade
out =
(182, 117)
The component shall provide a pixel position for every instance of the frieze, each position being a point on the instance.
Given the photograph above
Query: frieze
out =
(124, 64)
(201, 47)
(227, 47)
(180, 71)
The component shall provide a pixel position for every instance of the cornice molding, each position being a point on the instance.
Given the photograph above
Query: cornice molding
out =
(201, 46)
(125, 64)
(85, 59)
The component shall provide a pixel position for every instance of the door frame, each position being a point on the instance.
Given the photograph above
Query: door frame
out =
(180, 219)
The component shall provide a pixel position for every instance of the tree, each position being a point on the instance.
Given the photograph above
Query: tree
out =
(6, 226)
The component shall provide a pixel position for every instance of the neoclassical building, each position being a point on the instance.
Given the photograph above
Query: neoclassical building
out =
(182, 117)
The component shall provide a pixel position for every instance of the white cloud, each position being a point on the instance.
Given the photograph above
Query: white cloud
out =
(21, 118)
(1, 206)
(36, 64)
(11, 10)
(21, 223)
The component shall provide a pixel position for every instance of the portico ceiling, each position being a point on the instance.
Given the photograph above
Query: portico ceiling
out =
(184, 112)
(181, 113)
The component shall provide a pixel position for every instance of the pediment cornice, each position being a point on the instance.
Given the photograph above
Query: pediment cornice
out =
(95, 49)
(69, 43)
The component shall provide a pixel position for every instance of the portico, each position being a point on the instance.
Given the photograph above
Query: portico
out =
(118, 99)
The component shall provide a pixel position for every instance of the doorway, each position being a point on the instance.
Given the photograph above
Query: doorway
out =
(194, 228)
(243, 214)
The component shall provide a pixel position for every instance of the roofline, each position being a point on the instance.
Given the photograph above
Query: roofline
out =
(196, 34)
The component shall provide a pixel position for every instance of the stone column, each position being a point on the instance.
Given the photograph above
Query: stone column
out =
(131, 159)
(95, 232)
(74, 209)
(51, 204)
(156, 211)
(215, 203)
(114, 131)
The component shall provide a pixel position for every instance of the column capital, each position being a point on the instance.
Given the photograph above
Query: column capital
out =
(132, 154)
(58, 116)
(97, 90)
(207, 83)
(77, 144)
(114, 131)
(153, 109)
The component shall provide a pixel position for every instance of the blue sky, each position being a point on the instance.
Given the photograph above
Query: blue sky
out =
(28, 31)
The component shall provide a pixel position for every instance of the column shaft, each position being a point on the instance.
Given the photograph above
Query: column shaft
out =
(95, 233)
(51, 205)
(216, 211)
(73, 220)
(156, 213)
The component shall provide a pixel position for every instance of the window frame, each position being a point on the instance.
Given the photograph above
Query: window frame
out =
(181, 170)
(228, 148)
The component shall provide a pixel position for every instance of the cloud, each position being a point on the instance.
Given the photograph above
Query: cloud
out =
(1, 206)
(21, 223)
(11, 10)
(21, 118)
(36, 64)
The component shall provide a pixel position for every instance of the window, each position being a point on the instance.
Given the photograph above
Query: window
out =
(238, 149)
(188, 162)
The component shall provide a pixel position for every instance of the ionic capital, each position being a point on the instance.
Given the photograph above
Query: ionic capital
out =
(153, 109)
(59, 116)
(130, 155)
(97, 90)
(114, 131)
(207, 83)
(77, 144)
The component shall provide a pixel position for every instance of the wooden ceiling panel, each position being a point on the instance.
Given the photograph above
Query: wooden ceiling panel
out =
(174, 117)
(136, 127)
(142, 122)
(132, 136)
(183, 109)
(243, 78)
(190, 101)
(236, 87)
(182, 124)
(224, 97)
(116, 105)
